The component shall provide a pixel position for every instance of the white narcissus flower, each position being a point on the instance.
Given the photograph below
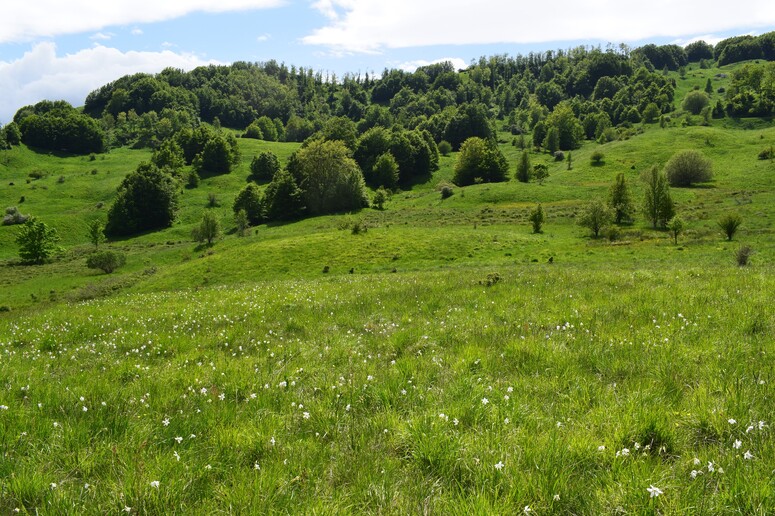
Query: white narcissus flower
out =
(654, 491)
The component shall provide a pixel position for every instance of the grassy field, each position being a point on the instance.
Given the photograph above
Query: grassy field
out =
(448, 361)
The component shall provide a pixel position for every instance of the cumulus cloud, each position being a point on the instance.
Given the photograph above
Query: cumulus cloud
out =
(25, 21)
(137, 32)
(42, 74)
(371, 26)
(103, 36)
(411, 66)
(264, 37)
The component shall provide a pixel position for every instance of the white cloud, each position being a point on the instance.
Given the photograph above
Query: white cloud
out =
(711, 39)
(264, 37)
(42, 74)
(411, 66)
(373, 25)
(137, 32)
(103, 36)
(27, 20)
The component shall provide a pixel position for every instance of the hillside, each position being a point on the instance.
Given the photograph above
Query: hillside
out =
(435, 356)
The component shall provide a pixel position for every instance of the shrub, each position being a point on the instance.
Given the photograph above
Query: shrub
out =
(597, 158)
(37, 242)
(249, 199)
(13, 216)
(445, 147)
(208, 230)
(264, 166)
(595, 217)
(743, 255)
(242, 222)
(687, 167)
(540, 172)
(480, 158)
(559, 156)
(695, 101)
(95, 231)
(729, 224)
(446, 191)
(147, 199)
(380, 196)
(523, 167)
(676, 226)
(107, 261)
(767, 154)
(537, 218)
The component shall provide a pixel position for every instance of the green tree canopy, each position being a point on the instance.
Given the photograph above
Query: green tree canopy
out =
(147, 199)
(480, 160)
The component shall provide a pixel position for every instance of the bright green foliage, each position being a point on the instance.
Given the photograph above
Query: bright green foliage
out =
(147, 199)
(95, 230)
(283, 199)
(524, 169)
(658, 206)
(253, 131)
(480, 160)
(445, 147)
(208, 230)
(250, 200)
(570, 132)
(729, 224)
(329, 177)
(752, 90)
(371, 144)
(12, 133)
(469, 121)
(687, 167)
(107, 261)
(695, 101)
(709, 87)
(537, 219)
(385, 172)
(168, 154)
(37, 242)
(595, 216)
(379, 199)
(676, 226)
(342, 129)
(59, 126)
(264, 166)
(651, 113)
(551, 142)
(597, 157)
(620, 199)
(540, 172)
(216, 157)
(267, 128)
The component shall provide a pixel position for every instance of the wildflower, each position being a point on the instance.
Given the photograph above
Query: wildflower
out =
(53, 485)
(711, 467)
(203, 390)
(556, 498)
(155, 483)
(84, 408)
(485, 401)
(510, 389)
(506, 421)
(179, 439)
(455, 421)
(87, 486)
(653, 491)
(499, 465)
(601, 448)
(750, 427)
(272, 441)
(696, 461)
(738, 443)
(256, 466)
(762, 424)
(748, 455)
(306, 415)
(369, 378)
(56, 424)
(127, 509)
(506, 397)
(731, 421)
(527, 509)
(694, 473)
(177, 457)
(347, 408)
(208, 467)
(166, 421)
(221, 396)
(443, 416)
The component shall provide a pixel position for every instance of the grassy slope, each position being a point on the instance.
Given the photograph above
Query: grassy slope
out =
(663, 344)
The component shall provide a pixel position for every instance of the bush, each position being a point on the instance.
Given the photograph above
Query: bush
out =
(446, 191)
(107, 261)
(597, 158)
(480, 158)
(559, 156)
(147, 199)
(37, 242)
(767, 154)
(729, 224)
(687, 167)
(445, 147)
(695, 101)
(14, 216)
(595, 217)
(264, 166)
(250, 200)
(537, 218)
(208, 230)
(380, 196)
(743, 255)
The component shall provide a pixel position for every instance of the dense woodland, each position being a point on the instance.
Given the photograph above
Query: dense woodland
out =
(382, 131)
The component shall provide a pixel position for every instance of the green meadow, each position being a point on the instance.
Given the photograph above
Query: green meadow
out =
(446, 360)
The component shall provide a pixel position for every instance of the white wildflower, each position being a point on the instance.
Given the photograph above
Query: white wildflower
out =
(653, 491)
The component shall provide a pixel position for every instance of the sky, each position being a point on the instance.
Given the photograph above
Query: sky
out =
(56, 49)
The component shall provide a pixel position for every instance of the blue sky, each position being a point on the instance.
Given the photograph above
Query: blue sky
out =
(54, 49)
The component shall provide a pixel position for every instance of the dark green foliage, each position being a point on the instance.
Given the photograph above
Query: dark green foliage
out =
(570, 132)
(620, 200)
(12, 134)
(729, 224)
(169, 154)
(539, 134)
(650, 113)
(540, 172)
(480, 160)
(658, 205)
(329, 178)
(549, 94)
(250, 201)
(445, 147)
(371, 144)
(743, 255)
(446, 191)
(695, 101)
(470, 120)
(266, 127)
(551, 142)
(147, 199)
(218, 156)
(298, 129)
(524, 169)
(687, 167)
(208, 230)
(665, 56)
(253, 131)
(750, 93)
(283, 199)
(342, 129)
(59, 126)
(264, 166)
(768, 153)
(107, 261)
(385, 172)
(242, 222)
(595, 217)
(738, 48)
(537, 219)
(597, 158)
(698, 50)
(37, 242)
